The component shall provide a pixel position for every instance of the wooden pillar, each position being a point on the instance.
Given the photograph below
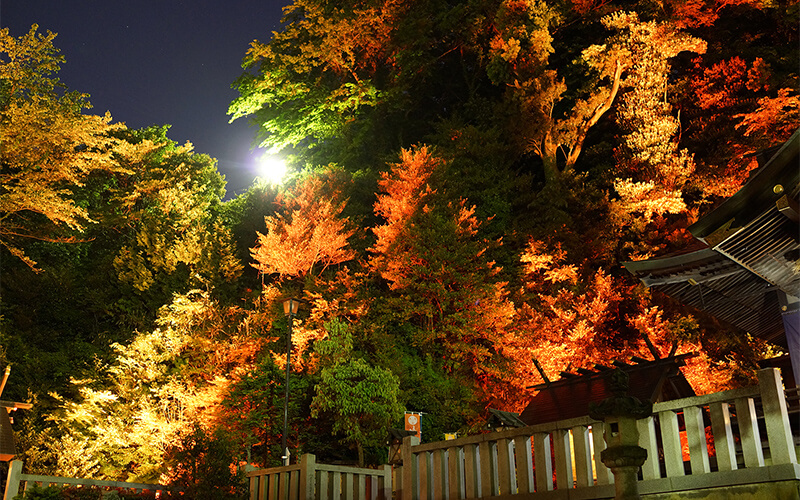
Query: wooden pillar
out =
(308, 476)
(409, 473)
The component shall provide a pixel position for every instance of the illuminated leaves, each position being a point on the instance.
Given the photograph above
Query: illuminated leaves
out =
(315, 74)
(519, 58)
(167, 202)
(158, 387)
(49, 148)
(405, 191)
(776, 117)
(361, 399)
(652, 171)
(443, 283)
(310, 231)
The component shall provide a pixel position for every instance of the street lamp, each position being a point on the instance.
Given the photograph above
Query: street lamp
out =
(290, 307)
(272, 168)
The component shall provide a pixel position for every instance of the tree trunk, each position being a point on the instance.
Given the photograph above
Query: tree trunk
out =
(549, 154)
(577, 146)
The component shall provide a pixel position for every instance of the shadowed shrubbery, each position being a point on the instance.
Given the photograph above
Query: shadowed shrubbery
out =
(204, 467)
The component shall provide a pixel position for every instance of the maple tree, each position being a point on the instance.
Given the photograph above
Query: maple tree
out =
(443, 282)
(48, 146)
(308, 91)
(310, 231)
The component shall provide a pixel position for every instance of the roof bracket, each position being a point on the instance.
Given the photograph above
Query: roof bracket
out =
(788, 207)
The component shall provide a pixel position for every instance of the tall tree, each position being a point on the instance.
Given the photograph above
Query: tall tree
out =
(361, 398)
(171, 234)
(48, 148)
(443, 281)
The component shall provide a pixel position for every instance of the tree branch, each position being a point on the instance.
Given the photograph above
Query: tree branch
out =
(575, 150)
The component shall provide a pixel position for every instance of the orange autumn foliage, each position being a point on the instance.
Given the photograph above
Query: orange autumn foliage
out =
(310, 231)
(569, 321)
(574, 316)
(430, 254)
(404, 188)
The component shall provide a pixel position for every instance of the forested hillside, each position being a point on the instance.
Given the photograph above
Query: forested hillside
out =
(468, 177)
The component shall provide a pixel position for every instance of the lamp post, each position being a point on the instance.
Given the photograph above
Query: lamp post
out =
(290, 307)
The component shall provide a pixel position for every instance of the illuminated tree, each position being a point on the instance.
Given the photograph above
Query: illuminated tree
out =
(442, 279)
(362, 399)
(308, 90)
(156, 390)
(204, 467)
(310, 231)
(570, 315)
(168, 234)
(519, 57)
(651, 170)
(49, 148)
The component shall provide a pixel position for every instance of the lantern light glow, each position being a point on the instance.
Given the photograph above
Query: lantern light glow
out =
(272, 168)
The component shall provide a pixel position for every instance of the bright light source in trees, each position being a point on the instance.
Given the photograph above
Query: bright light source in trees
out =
(272, 168)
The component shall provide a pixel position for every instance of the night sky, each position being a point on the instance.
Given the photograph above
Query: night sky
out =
(159, 62)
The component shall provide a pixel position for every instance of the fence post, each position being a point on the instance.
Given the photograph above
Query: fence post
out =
(749, 433)
(12, 483)
(308, 476)
(773, 401)
(409, 473)
(696, 438)
(723, 436)
(385, 492)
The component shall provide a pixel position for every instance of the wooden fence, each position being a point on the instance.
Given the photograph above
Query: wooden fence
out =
(311, 480)
(16, 478)
(749, 428)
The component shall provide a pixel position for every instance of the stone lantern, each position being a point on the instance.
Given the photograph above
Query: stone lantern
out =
(623, 455)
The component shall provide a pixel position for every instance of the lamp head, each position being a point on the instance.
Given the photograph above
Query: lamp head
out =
(290, 306)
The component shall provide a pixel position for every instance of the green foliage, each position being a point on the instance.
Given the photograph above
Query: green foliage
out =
(449, 402)
(362, 399)
(41, 493)
(254, 414)
(204, 467)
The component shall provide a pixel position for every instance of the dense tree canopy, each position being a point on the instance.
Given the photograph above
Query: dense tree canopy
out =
(471, 175)
(49, 147)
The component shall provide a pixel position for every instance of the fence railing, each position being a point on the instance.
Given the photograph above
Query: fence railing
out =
(16, 479)
(741, 436)
(311, 480)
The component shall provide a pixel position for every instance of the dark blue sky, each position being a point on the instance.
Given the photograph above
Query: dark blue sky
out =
(159, 62)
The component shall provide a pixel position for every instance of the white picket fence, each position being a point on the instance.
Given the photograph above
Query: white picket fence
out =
(310, 480)
(17, 481)
(752, 444)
